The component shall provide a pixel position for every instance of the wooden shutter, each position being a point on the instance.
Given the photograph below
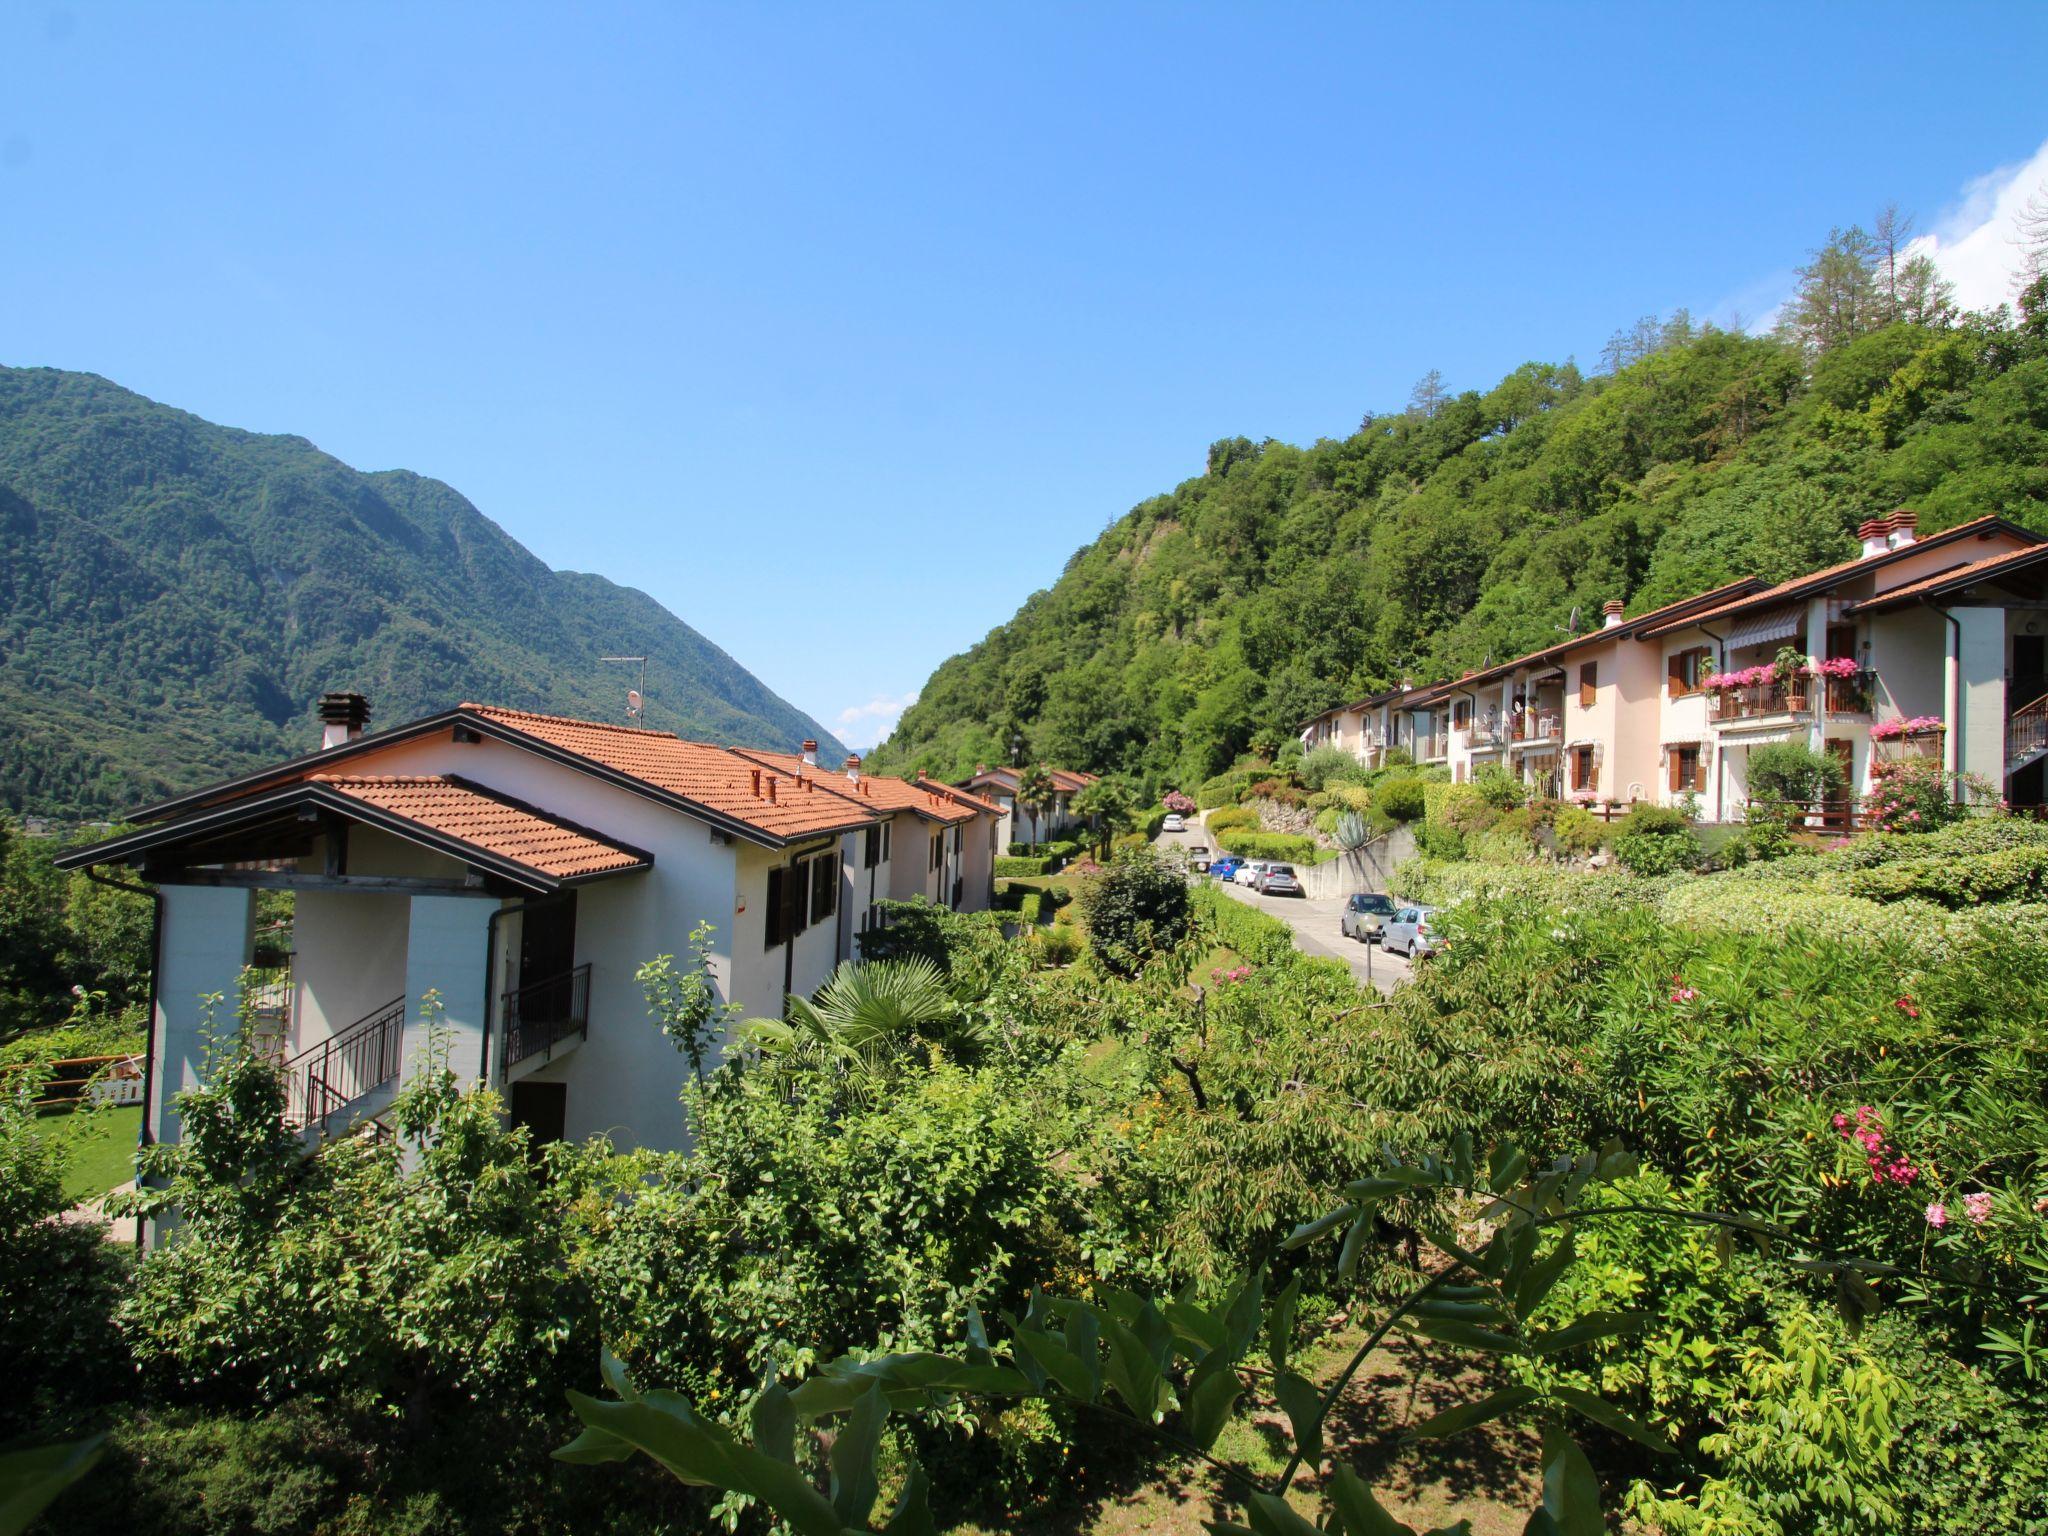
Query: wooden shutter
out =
(1699, 769)
(1674, 674)
(1674, 761)
(772, 915)
(1589, 684)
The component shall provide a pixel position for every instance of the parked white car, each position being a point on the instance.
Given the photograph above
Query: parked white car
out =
(1173, 823)
(1409, 933)
(1248, 874)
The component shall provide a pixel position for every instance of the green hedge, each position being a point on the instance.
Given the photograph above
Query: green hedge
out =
(1013, 868)
(1235, 816)
(2016, 874)
(1286, 847)
(1258, 936)
(1029, 908)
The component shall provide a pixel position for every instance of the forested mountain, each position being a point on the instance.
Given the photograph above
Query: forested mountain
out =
(175, 595)
(1473, 526)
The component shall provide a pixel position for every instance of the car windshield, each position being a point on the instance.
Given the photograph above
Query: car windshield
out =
(1375, 904)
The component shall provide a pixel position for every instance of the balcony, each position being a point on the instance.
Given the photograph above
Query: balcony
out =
(543, 1017)
(1852, 694)
(330, 1084)
(1481, 734)
(1533, 727)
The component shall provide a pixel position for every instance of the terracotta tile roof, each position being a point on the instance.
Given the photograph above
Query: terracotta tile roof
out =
(1958, 576)
(1072, 779)
(961, 795)
(1066, 780)
(490, 822)
(876, 792)
(716, 778)
(1801, 585)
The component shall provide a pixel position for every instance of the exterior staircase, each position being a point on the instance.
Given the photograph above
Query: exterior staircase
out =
(2026, 735)
(348, 1077)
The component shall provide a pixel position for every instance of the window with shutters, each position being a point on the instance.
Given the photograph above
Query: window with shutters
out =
(1684, 669)
(886, 840)
(787, 904)
(1589, 684)
(1584, 774)
(937, 847)
(871, 848)
(1687, 765)
(824, 887)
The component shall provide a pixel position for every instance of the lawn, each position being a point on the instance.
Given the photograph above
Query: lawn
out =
(99, 1148)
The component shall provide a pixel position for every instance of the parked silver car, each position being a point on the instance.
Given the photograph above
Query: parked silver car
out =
(1278, 880)
(1409, 933)
(1365, 914)
(1248, 873)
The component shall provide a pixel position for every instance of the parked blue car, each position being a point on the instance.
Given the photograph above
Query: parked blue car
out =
(1225, 867)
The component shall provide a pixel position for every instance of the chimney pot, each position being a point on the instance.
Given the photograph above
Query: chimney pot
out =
(771, 789)
(1610, 613)
(1905, 525)
(810, 753)
(342, 718)
(853, 766)
(1875, 534)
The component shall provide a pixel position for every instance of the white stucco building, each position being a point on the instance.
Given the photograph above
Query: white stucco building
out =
(522, 867)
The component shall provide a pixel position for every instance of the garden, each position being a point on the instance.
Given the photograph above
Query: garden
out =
(1680, 1201)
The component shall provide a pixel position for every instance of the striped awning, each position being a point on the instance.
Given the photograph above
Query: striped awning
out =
(1762, 628)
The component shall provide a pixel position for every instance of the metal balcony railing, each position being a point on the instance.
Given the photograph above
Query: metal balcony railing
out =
(1539, 725)
(326, 1078)
(542, 1014)
(1855, 694)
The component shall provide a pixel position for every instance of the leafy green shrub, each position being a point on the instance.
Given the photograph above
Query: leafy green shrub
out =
(1225, 788)
(1916, 794)
(1015, 868)
(1286, 847)
(1319, 767)
(2017, 874)
(1057, 945)
(1795, 772)
(1399, 799)
(1236, 816)
(1577, 830)
(1461, 808)
(1498, 787)
(1644, 818)
(1651, 853)
(1030, 907)
(1979, 834)
(1435, 841)
(1134, 910)
(1258, 936)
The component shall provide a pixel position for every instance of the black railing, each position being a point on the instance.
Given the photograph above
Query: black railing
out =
(542, 1014)
(326, 1078)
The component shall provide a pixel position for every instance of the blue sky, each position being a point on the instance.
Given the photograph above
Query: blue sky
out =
(838, 328)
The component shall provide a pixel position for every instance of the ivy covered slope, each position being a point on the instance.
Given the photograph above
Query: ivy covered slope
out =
(174, 596)
(1285, 580)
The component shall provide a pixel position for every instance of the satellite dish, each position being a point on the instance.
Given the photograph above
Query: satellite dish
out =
(635, 705)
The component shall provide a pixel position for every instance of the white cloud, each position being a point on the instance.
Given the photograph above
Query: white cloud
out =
(862, 725)
(1976, 243)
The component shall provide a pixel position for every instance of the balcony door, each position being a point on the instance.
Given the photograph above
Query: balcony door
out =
(1836, 812)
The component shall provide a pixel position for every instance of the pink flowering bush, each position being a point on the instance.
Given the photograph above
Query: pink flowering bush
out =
(1916, 725)
(1834, 666)
(1887, 1164)
(1742, 677)
(1919, 795)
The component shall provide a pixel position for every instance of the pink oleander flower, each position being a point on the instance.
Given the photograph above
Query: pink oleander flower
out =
(1977, 1207)
(1841, 1122)
(1683, 994)
(1908, 1007)
(1937, 1215)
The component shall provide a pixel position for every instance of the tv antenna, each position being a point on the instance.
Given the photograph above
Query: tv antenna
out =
(636, 698)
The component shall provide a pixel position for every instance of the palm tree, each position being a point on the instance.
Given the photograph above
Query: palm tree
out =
(864, 1022)
(1036, 793)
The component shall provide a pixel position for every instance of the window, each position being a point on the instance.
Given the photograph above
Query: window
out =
(938, 850)
(871, 848)
(886, 839)
(1684, 669)
(1582, 768)
(1688, 766)
(786, 905)
(824, 887)
(1589, 684)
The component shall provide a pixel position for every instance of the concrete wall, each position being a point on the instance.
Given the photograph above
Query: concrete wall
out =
(1981, 741)
(444, 954)
(1371, 868)
(348, 959)
(207, 939)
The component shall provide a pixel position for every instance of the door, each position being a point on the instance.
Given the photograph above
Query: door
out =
(543, 993)
(2029, 671)
(1835, 814)
(543, 1108)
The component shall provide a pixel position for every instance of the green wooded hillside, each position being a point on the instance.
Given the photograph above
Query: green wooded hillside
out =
(1285, 580)
(175, 595)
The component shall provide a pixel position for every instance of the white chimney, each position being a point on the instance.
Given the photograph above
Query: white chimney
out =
(1905, 524)
(810, 754)
(342, 718)
(853, 766)
(1610, 614)
(1872, 531)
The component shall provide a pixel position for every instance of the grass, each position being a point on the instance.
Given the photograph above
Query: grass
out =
(98, 1146)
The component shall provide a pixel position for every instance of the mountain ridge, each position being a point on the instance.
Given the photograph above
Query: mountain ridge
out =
(175, 595)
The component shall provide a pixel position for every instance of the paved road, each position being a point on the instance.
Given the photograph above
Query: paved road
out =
(1316, 926)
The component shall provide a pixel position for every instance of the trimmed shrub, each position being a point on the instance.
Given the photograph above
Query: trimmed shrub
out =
(1657, 853)
(1222, 821)
(1258, 936)
(1577, 830)
(1433, 841)
(1138, 908)
(1014, 868)
(1324, 764)
(1400, 799)
(2016, 874)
